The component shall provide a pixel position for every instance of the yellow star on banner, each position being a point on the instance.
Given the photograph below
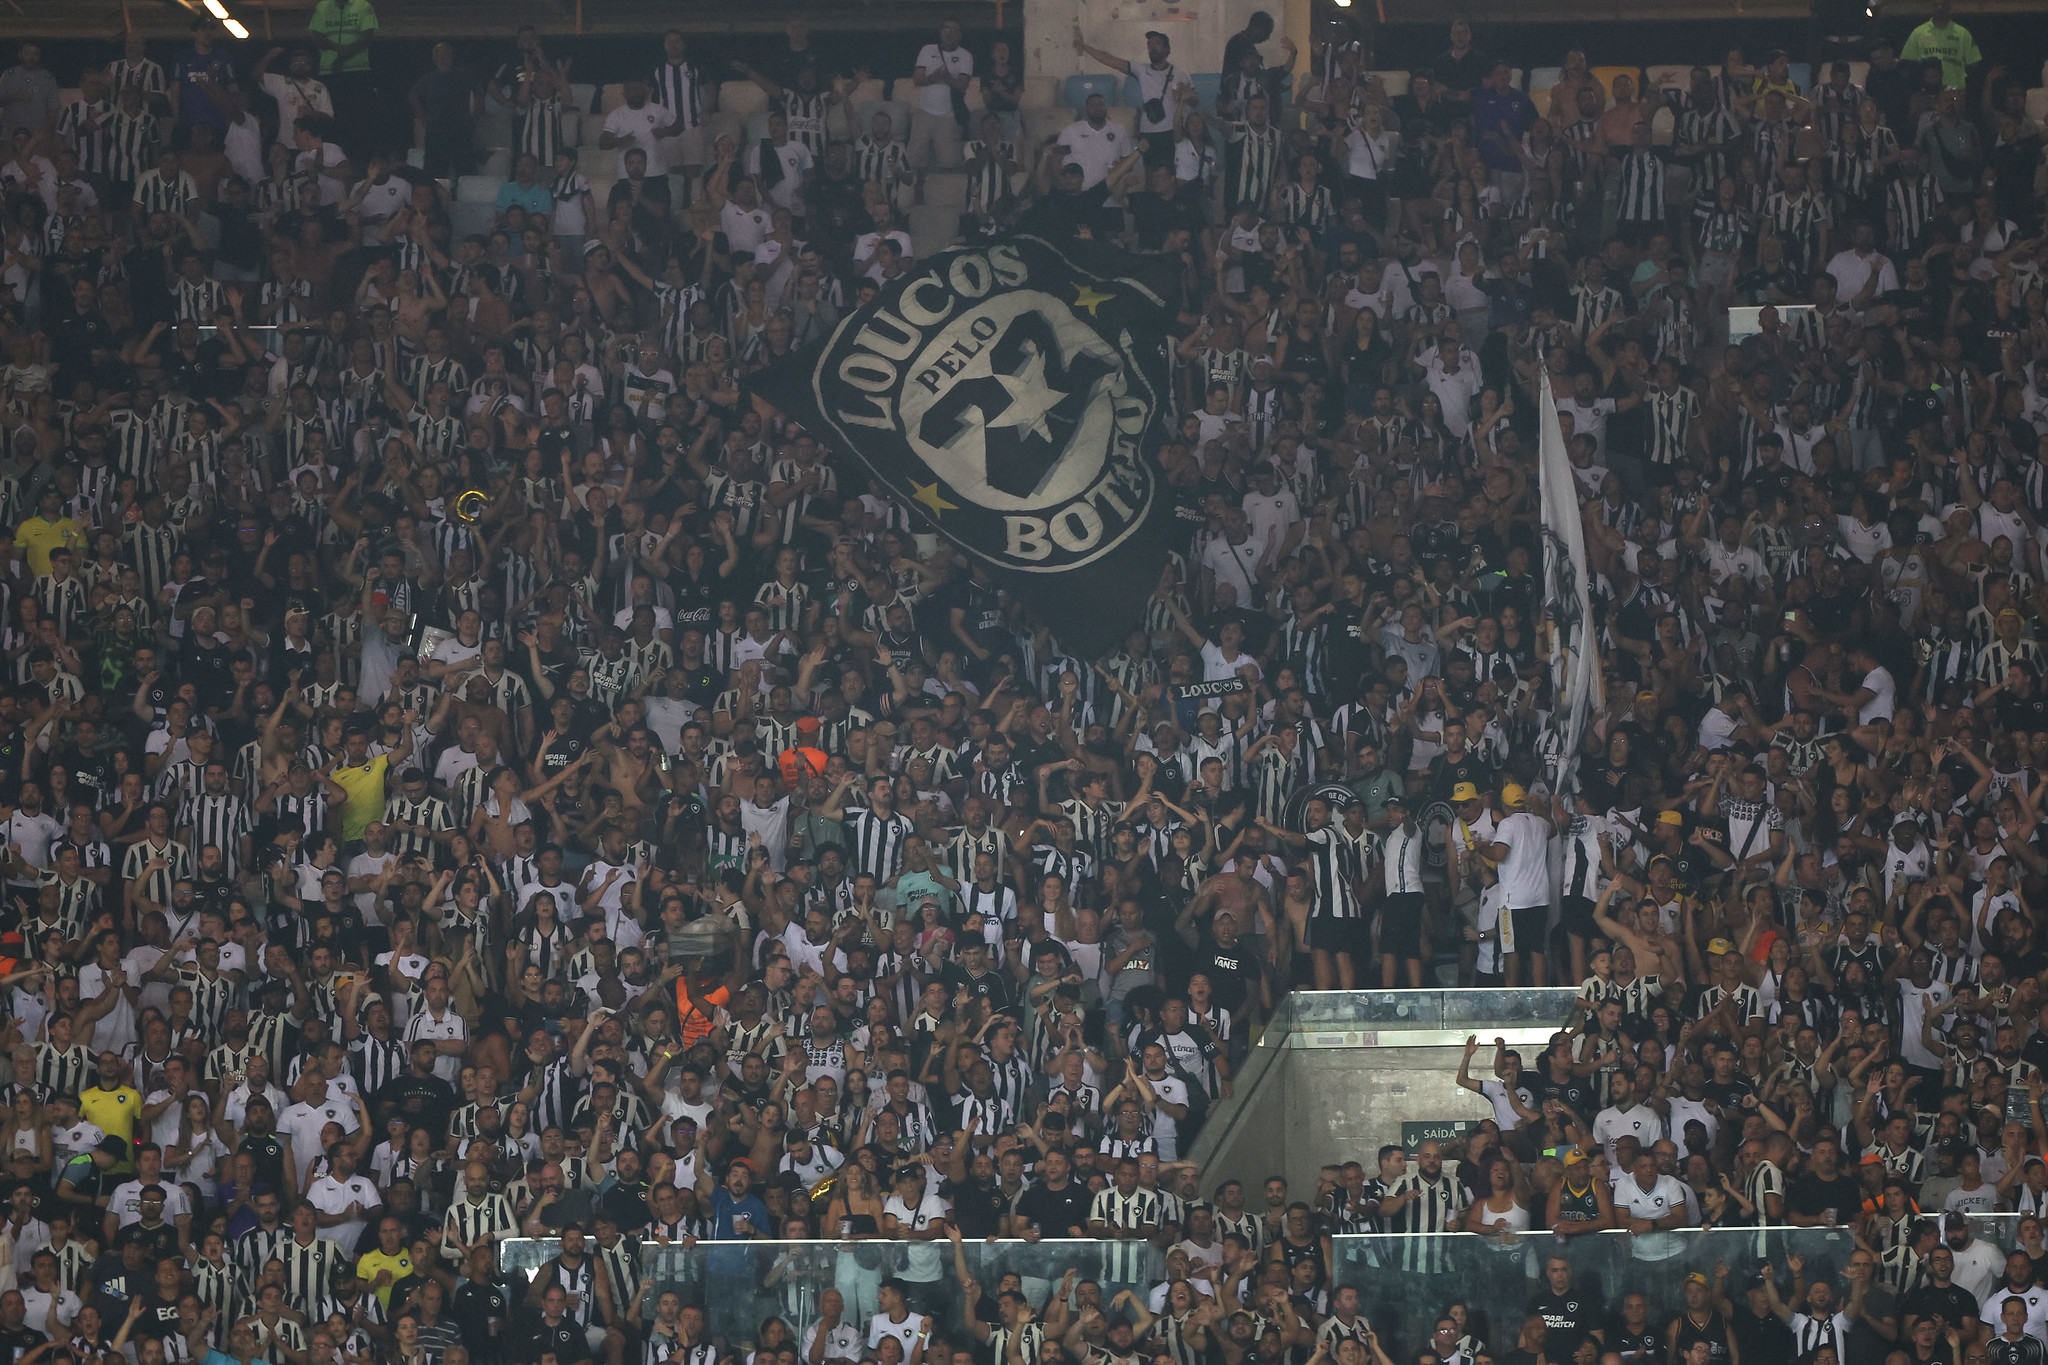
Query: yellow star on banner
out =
(928, 494)
(1091, 299)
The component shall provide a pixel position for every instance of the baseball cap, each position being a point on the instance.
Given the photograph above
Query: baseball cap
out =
(1577, 1156)
(1512, 794)
(1396, 799)
(1465, 791)
(1719, 947)
(1670, 817)
(113, 1147)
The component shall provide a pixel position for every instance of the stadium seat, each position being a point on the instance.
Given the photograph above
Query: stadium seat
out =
(572, 128)
(1041, 92)
(466, 218)
(1079, 88)
(611, 97)
(1859, 72)
(1127, 119)
(1802, 74)
(743, 98)
(494, 129)
(1518, 78)
(496, 164)
(977, 98)
(416, 157)
(1040, 124)
(595, 161)
(478, 189)
(904, 90)
(1395, 83)
(1608, 73)
(1543, 79)
(946, 189)
(1678, 77)
(899, 117)
(933, 227)
(1208, 87)
(2037, 104)
(1662, 124)
(583, 96)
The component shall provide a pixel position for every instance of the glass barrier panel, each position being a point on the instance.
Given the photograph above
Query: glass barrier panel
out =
(1405, 1283)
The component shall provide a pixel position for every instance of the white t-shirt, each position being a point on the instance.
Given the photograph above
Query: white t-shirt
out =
(449, 1025)
(1526, 873)
(302, 1124)
(1915, 1005)
(924, 1261)
(332, 1196)
(1610, 1125)
(126, 1201)
(744, 230)
(295, 99)
(636, 128)
(38, 1305)
(1165, 1131)
(1654, 1203)
(369, 865)
(1237, 565)
(905, 1331)
(841, 1343)
(1093, 149)
(937, 98)
(1884, 698)
(35, 834)
(81, 1136)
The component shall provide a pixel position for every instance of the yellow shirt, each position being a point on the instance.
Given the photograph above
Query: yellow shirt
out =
(113, 1112)
(370, 1263)
(365, 788)
(38, 537)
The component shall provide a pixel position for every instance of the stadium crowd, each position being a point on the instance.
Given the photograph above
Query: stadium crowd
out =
(473, 773)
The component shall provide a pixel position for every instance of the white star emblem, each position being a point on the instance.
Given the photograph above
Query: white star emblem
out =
(1030, 398)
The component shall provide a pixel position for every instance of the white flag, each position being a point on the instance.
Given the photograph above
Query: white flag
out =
(1567, 606)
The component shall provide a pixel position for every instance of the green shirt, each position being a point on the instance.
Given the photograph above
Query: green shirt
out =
(1950, 44)
(343, 22)
(1375, 790)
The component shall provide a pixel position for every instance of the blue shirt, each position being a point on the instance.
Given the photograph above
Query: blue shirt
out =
(1490, 109)
(732, 1260)
(194, 104)
(533, 198)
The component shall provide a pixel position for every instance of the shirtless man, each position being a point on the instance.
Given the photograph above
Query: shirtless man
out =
(1655, 953)
(634, 772)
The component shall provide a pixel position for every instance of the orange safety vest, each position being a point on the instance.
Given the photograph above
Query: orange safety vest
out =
(694, 1019)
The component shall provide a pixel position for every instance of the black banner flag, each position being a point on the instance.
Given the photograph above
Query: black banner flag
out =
(1014, 394)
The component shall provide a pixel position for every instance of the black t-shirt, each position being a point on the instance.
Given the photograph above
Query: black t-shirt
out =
(18, 1343)
(1570, 1318)
(978, 1209)
(1231, 971)
(1646, 1347)
(478, 1311)
(1810, 1195)
(565, 1339)
(1955, 1304)
(1053, 1212)
(159, 1317)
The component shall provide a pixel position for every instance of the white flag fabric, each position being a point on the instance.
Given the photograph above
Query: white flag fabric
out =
(1567, 607)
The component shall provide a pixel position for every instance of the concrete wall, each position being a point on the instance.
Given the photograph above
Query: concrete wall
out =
(1304, 1108)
